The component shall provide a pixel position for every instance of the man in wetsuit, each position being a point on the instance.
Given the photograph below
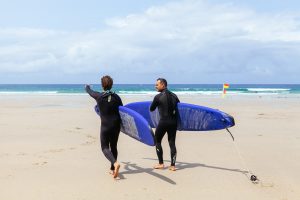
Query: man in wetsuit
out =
(108, 103)
(166, 102)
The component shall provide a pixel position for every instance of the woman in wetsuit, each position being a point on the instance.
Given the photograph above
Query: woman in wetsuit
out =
(108, 103)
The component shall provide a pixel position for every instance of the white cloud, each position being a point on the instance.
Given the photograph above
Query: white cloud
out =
(184, 40)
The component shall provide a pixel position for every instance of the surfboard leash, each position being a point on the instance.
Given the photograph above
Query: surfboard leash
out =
(249, 174)
(230, 134)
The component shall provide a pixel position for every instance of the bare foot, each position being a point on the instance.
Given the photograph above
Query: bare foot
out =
(172, 168)
(159, 166)
(116, 171)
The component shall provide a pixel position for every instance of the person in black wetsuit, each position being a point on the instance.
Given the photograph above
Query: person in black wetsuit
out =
(108, 103)
(166, 102)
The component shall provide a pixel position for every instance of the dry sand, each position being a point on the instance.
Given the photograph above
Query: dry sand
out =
(49, 149)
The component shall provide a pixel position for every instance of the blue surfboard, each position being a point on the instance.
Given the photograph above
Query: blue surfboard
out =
(134, 125)
(191, 117)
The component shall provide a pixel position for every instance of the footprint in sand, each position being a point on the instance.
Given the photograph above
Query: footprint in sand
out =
(55, 151)
(92, 137)
(40, 163)
(264, 184)
(72, 130)
(52, 151)
(42, 156)
(90, 142)
(6, 176)
(4, 155)
(22, 154)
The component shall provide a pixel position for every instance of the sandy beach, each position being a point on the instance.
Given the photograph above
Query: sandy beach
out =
(49, 149)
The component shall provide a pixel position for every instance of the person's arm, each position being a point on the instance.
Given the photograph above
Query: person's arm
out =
(177, 99)
(154, 104)
(120, 100)
(91, 92)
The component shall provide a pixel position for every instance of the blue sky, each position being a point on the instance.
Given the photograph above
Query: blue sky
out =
(188, 41)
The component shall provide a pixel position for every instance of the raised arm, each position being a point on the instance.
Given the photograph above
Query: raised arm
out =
(91, 92)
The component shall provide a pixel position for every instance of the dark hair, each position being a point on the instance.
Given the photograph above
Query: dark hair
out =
(107, 82)
(163, 81)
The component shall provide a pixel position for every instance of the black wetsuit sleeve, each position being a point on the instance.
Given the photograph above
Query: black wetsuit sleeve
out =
(120, 100)
(91, 92)
(154, 104)
(177, 99)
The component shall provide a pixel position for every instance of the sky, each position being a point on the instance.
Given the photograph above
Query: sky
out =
(135, 41)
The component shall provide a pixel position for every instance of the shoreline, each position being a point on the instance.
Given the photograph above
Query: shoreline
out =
(218, 95)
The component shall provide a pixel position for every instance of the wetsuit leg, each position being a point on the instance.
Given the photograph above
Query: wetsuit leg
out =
(113, 144)
(104, 139)
(159, 134)
(171, 139)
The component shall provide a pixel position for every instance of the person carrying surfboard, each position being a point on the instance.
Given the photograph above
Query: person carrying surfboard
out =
(166, 102)
(108, 103)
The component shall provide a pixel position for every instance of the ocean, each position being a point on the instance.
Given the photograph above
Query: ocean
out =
(142, 89)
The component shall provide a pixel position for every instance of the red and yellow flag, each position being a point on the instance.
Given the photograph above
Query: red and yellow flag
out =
(225, 86)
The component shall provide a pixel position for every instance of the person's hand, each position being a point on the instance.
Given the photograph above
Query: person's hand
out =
(87, 86)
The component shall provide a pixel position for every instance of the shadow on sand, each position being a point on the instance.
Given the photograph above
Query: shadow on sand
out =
(132, 168)
(186, 165)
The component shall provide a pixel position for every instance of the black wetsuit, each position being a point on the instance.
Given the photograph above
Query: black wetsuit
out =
(166, 102)
(108, 104)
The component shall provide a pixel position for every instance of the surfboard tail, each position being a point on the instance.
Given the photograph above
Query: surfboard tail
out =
(228, 120)
(134, 125)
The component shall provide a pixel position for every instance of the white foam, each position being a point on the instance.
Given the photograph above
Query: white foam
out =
(137, 92)
(267, 89)
(47, 93)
